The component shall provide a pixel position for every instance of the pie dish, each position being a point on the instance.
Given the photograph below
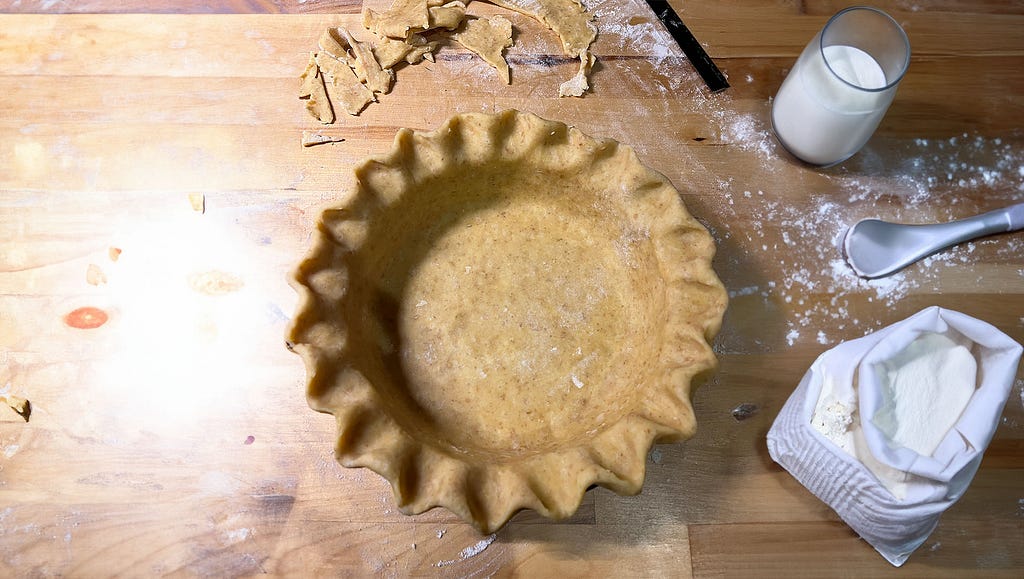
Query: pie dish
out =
(503, 313)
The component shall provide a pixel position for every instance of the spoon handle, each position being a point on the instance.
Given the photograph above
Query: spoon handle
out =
(1014, 217)
(998, 221)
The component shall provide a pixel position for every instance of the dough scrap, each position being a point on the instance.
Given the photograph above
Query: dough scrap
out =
(403, 17)
(578, 84)
(330, 42)
(398, 37)
(407, 17)
(573, 25)
(314, 91)
(389, 52)
(340, 44)
(488, 38)
(366, 66)
(198, 202)
(312, 139)
(345, 86)
(566, 18)
(18, 404)
(448, 16)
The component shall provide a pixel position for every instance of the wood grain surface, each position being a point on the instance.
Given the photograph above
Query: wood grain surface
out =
(175, 438)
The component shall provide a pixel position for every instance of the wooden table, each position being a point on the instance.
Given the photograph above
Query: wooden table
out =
(175, 437)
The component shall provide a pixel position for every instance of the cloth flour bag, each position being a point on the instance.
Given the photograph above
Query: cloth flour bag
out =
(878, 430)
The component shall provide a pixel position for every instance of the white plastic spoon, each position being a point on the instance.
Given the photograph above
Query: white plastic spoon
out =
(876, 248)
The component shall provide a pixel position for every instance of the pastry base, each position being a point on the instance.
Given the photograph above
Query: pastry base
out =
(505, 313)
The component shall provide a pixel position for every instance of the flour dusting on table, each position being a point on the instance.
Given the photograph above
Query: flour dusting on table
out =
(470, 551)
(924, 180)
(782, 251)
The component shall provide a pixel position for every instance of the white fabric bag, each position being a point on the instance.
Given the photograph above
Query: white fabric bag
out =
(853, 485)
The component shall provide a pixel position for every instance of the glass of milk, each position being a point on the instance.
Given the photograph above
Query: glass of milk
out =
(839, 89)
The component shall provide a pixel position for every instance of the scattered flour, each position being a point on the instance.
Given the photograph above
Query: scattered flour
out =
(744, 130)
(640, 34)
(236, 535)
(653, 59)
(810, 279)
(471, 551)
(792, 336)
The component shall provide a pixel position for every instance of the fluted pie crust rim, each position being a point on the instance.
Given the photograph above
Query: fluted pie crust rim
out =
(503, 313)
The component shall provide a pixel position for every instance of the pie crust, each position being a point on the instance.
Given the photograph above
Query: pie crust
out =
(503, 313)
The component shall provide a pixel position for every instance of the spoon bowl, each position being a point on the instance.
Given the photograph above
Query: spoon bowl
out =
(876, 248)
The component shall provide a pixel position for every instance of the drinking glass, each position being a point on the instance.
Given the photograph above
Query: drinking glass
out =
(836, 94)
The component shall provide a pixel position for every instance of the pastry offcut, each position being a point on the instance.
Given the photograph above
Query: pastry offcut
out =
(503, 313)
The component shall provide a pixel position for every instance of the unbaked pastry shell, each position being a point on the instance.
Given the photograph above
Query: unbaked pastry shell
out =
(504, 313)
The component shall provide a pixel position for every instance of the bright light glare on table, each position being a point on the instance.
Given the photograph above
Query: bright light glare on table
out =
(187, 312)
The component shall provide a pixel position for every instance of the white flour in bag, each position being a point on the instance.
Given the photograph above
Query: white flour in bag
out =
(926, 388)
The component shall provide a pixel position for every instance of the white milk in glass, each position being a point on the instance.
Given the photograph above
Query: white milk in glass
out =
(826, 111)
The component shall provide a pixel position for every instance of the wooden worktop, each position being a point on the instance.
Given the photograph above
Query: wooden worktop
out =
(151, 172)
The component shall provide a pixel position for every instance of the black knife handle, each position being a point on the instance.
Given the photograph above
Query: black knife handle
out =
(706, 67)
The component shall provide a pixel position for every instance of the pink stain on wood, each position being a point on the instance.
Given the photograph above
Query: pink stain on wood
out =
(86, 318)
